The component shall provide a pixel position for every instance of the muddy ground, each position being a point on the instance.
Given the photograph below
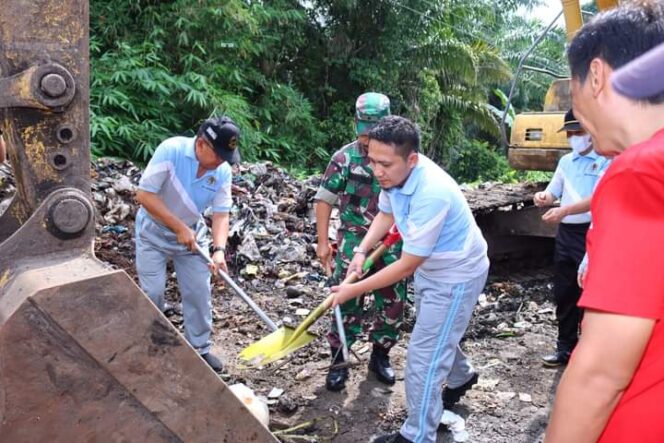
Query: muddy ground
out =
(272, 256)
(513, 326)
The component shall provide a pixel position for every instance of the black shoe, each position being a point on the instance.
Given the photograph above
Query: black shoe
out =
(451, 396)
(392, 438)
(559, 358)
(213, 362)
(336, 377)
(380, 365)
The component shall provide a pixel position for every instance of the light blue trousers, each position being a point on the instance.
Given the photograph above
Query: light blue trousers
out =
(155, 245)
(434, 356)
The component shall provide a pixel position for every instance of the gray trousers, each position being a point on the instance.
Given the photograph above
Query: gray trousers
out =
(155, 245)
(434, 356)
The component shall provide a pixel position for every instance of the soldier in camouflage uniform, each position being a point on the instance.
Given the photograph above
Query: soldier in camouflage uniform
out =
(349, 181)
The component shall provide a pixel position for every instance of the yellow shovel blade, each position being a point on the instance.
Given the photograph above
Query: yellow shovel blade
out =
(275, 346)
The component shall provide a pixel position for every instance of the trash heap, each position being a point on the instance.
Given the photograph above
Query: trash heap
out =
(272, 223)
(271, 247)
(271, 250)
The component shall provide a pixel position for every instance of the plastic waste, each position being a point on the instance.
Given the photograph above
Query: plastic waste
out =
(255, 404)
(456, 425)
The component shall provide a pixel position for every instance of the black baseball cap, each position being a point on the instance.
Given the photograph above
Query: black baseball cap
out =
(571, 123)
(224, 136)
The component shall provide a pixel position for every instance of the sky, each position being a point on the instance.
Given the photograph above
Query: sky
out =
(546, 12)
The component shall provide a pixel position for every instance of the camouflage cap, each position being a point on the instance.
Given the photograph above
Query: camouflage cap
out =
(370, 107)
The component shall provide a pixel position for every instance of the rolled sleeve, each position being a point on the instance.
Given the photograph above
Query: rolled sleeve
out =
(326, 196)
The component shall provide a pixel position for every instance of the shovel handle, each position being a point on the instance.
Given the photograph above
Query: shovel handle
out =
(327, 303)
(342, 332)
(245, 298)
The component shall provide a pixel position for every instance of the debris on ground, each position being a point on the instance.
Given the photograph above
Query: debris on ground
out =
(271, 255)
(256, 405)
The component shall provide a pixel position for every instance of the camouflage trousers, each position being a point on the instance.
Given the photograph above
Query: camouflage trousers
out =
(389, 302)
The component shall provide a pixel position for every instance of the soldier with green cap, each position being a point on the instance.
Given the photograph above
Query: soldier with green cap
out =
(349, 183)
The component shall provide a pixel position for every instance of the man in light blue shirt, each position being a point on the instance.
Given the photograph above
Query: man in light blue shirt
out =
(573, 183)
(445, 250)
(185, 177)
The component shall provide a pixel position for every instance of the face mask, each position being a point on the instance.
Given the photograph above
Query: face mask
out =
(580, 143)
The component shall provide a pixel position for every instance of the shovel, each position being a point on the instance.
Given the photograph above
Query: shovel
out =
(285, 340)
(270, 324)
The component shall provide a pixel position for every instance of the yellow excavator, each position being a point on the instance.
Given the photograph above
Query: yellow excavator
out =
(535, 143)
(84, 355)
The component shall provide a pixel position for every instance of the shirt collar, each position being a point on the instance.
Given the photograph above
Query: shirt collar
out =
(190, 150)
(592, 155)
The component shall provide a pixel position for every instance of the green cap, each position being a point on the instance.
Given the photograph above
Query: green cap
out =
(370, 107)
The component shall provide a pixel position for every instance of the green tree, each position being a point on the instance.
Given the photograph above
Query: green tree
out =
(159, 68)
(289, 71)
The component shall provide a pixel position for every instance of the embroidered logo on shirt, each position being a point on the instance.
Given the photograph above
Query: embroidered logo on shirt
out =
(211, 180)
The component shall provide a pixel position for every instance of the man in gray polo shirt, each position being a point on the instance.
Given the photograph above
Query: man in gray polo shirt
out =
(185, 177)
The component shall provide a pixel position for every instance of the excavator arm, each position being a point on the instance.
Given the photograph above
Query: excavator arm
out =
(574, 18)
(84, 354)
(535, 143)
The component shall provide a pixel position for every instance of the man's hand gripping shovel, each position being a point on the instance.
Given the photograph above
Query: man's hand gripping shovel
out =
(286, 340)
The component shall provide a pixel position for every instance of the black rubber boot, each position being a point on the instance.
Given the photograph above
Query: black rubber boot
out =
(336, 377)
(379, 364)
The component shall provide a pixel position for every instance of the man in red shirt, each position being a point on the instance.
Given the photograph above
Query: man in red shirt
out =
(613, 388)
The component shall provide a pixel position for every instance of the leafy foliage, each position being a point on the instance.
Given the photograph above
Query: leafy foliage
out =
(475, 161)
(288, 72)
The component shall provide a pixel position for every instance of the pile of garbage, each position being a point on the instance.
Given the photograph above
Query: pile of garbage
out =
(272, 232)
(271, 247)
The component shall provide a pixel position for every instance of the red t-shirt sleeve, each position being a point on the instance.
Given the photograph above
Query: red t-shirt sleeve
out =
(626, 247)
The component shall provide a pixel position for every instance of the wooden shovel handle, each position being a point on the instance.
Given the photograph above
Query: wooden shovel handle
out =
(327, 303)
(354, 276)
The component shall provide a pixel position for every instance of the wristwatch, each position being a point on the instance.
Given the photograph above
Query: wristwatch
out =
(358, 250)
(218, 248)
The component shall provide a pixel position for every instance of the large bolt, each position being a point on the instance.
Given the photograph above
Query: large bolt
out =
(53, 85)
(70, 215)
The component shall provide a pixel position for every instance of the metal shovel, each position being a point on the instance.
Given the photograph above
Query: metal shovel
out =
(286, 339)
(270, 324)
